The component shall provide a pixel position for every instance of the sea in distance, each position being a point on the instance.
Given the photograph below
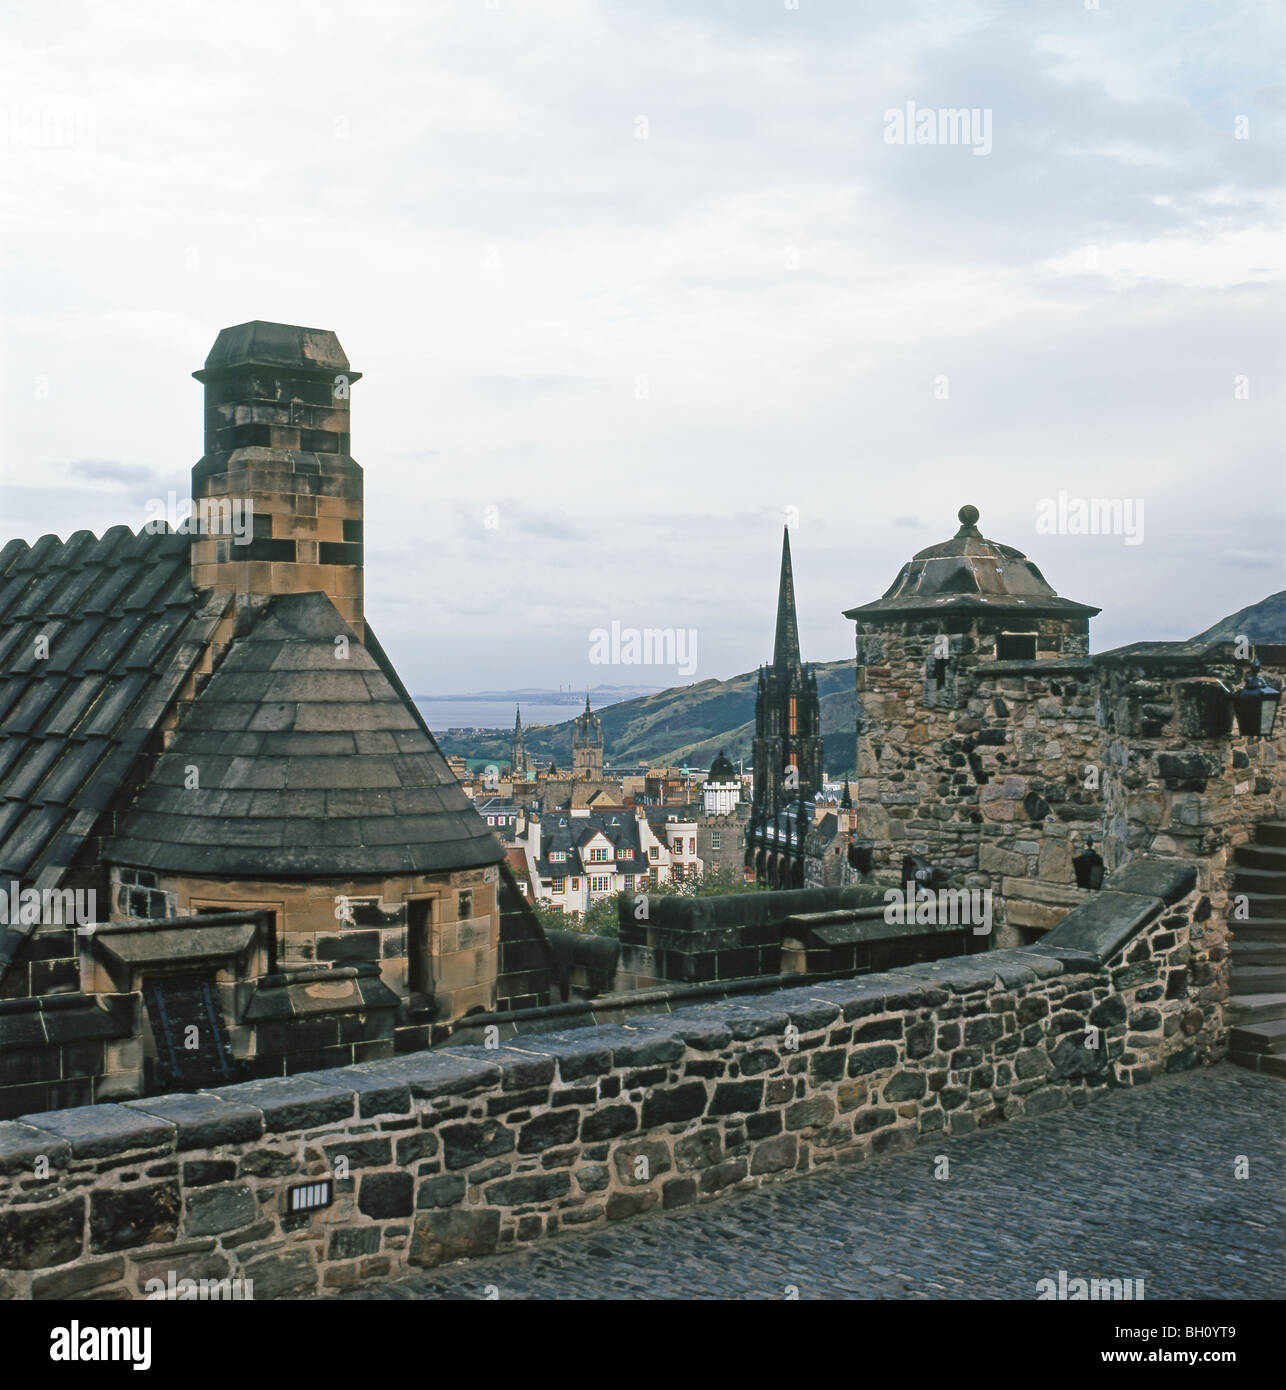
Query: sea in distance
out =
(492, 714)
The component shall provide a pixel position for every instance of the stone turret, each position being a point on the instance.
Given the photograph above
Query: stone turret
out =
(947, 767)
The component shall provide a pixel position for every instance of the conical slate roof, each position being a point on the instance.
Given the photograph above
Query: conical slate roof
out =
(971, 574)
(305, 763)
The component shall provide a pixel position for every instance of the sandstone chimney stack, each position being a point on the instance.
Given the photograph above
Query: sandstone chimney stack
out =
(277, 498)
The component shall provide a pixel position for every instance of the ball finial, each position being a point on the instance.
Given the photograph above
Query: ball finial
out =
(968, 515)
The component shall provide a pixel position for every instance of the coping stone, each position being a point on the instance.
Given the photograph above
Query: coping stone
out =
(1166, 879)
(22, 1144)
(99, 1131)
(291, 1102)
(1045, 964)
(202, 1121)
(959, 974)
(1013, 971)
(1075, 961)
(431, 1074)
(1103, 924)
(375, 1095)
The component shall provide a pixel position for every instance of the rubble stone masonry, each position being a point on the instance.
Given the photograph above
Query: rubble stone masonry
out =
(446, 1155)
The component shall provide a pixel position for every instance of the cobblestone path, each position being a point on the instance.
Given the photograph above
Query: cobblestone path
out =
(1138, 1185)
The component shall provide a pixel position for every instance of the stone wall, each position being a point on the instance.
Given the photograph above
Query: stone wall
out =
(1175, 786)
(1007, 769)
(967, 760)
(443, 1155)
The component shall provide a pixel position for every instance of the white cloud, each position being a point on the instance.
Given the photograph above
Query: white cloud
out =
(639, 351)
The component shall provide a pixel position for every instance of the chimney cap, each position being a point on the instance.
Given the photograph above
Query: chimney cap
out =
(276, 345)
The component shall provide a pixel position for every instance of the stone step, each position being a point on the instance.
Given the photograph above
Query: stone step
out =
(1263, 906)
(1265, 1062)
(1258, 953)
(1246, 1010)
(1259, 881)
(1258, 929)
(1271, 832)
(1260, 1038)
(1260, 857)
(1258, 979)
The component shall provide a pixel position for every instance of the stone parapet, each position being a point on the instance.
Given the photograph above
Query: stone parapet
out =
(469, 1150)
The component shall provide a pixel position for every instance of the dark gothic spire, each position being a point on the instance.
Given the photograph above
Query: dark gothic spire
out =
(786, 647)
(517, 720)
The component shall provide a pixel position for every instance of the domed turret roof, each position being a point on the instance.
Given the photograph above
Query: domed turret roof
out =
(971, 574)
(722, 770)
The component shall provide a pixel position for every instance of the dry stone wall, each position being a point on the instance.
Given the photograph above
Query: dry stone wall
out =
(445, 1155)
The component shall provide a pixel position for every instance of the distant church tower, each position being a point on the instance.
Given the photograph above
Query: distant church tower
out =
(587, 746)
(787, 749)
(519, 763)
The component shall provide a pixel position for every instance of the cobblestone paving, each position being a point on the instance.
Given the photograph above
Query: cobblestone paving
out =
(1139, 1184)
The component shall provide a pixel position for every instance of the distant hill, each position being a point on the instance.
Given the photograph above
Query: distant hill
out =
(688, 723)
(1264, 621)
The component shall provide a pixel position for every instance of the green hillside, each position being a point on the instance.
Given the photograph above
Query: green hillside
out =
(688, 723)
(1264, 621)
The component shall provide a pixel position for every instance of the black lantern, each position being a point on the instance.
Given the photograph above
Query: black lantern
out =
(1255, 704)
(1088, 866)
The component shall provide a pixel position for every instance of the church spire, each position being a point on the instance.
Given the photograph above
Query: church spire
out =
(786, 646)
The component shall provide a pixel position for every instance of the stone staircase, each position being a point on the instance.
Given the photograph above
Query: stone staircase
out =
(1257, 1005)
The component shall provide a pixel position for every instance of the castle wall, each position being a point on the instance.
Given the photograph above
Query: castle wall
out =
(999, 773)
(437, 1157)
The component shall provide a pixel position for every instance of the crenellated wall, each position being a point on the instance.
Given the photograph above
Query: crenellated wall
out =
(469, 1150)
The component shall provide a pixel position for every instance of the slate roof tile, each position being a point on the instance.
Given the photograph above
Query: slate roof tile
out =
(318, 804)
(69, 722)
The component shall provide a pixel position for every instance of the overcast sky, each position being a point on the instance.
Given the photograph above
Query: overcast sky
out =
(630, 280)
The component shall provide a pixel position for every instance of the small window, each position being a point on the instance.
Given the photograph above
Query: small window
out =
(1016, 646)
(653, 853)
(575, 885)
(716, 839)
(419, 923)
(465, 908)
(560, 885)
